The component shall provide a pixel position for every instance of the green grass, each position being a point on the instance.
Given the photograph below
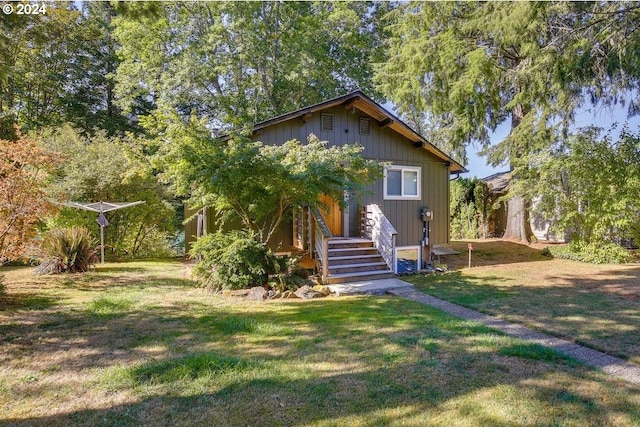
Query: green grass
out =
(109, 305)
(137, 344)
(593, 305)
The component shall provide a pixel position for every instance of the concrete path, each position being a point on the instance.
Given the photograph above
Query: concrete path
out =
(611, 365)
(370, 287)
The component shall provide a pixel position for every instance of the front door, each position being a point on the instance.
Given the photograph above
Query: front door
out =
(332, 214)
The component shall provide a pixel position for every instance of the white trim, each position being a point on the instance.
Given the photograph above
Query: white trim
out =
(403, 248)
(402, 169)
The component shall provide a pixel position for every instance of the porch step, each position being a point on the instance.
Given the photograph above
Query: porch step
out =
(349, 243)
(357, 268)
(332, 279)
(340, 252)
(341, 260)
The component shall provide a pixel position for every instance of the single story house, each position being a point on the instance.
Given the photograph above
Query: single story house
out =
(392, 228)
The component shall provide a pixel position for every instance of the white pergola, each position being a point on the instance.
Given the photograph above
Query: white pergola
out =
(101, 207)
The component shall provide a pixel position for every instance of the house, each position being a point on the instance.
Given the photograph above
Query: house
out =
(392, 228)
(541, 227)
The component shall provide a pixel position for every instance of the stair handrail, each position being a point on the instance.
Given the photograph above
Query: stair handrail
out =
(382, 233)
(322, 236)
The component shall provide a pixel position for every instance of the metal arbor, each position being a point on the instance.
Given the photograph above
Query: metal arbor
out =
(101, 207)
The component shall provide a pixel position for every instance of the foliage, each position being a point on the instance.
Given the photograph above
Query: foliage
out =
(112, 169)
(601, 50)
(288, 274)
(240, 63)
(458, 70)
(591, 185)
(238, 260)
(67, 250)
(24, 170)
(259, 184)
(234, 260)
(594, 253)
(469, 67)
(58, 67)
(470, 207)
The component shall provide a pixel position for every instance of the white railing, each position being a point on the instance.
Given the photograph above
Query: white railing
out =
(378, 229)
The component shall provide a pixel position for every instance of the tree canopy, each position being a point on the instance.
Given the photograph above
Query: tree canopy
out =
(239, 63)
(258, 184)
(458, 70)
(24, 170)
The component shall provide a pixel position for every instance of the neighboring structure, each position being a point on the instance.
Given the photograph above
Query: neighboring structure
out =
(498, 184)
(394, 226)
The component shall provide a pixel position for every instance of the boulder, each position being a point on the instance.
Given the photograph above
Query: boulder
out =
(289, 294)
(324, 290)
(307, 292)
(257, 293)
(273, 294)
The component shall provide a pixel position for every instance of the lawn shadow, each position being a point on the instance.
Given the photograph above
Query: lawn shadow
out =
(623, 281)
(426, 366)
(601, 311)
(16, 301)
(411, 394)
(489, 252)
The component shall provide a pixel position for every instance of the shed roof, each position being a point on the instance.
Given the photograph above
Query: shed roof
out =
(384, 118)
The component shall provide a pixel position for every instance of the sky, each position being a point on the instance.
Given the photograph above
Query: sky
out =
(602, 117)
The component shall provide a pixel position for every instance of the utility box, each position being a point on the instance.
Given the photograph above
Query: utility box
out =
(426, 214)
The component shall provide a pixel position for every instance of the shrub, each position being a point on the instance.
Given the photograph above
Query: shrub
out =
(289, 275)
(594, 253)
(233, 260)
(67, 250)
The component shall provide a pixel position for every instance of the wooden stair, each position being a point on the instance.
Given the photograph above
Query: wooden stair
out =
(352, 260)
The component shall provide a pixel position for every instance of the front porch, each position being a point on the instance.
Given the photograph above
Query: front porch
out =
(347, 259)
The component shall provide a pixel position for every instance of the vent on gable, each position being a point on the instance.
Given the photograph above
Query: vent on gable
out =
(327, 121)
(365, 126)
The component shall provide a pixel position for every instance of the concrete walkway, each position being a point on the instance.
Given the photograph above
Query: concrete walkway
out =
(370, 287)
(611, 365)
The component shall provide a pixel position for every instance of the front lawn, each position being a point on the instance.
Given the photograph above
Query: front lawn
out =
(595, 305)
(138, 344)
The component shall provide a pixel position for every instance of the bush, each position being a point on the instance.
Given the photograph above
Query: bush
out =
(67, 250)
(289, 275)
(233, 260)
(594, 253)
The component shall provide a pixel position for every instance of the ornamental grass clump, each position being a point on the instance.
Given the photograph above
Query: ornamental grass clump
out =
(68, 250)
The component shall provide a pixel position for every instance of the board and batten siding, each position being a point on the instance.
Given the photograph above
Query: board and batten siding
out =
(387, 146)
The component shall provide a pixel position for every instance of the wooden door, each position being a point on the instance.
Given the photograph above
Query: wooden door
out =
(332, 214)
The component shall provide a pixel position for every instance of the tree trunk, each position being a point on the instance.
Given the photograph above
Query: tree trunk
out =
(518, 226)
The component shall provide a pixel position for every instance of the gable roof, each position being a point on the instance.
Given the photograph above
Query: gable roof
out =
(359, 100)
(498, 182)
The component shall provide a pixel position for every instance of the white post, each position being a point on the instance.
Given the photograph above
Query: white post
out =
(101, 244)
(101, 237)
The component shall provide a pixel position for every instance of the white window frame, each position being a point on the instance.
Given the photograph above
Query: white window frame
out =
(403, 196)
(404, 248)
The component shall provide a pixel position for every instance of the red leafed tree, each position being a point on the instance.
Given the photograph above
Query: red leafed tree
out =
(24, 167)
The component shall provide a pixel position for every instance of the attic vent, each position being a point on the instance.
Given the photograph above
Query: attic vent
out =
(365, 126)
(327, 121)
